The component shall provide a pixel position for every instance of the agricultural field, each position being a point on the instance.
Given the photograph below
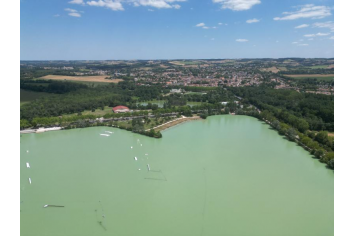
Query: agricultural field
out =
(274, 69)
(320, 67)
(28, 96)
(186, 63)
(311, 76)
(97, 78)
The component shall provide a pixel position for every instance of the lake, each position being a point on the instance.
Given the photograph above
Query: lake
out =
(227, 175)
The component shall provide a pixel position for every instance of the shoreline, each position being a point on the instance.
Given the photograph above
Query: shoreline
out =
(174, 122)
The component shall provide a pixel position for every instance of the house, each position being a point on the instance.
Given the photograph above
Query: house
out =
(176, 91)
(119, 109)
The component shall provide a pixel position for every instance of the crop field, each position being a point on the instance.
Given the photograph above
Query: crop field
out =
(311, 76)
(96, 78)
(274, 69)
(319, 67)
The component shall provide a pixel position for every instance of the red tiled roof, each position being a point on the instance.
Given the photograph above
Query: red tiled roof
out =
(119, 108)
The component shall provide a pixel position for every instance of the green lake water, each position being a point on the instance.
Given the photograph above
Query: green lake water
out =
(227, 175)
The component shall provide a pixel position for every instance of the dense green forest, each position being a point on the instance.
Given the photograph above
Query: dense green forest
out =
(302, 110)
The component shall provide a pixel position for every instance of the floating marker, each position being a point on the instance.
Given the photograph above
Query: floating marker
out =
(141, 144)
(131, 147)
(135, 158)
(27, 151)
(146, 154)
(29, 180)
(109, 132)
(27, 165)
(139, 169)
(105, 135)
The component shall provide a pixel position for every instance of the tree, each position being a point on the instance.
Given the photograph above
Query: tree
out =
(322, 137)
(276, 125)
(291, 133)
(319, 153)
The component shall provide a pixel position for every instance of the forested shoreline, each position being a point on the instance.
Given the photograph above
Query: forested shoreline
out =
(302, 117)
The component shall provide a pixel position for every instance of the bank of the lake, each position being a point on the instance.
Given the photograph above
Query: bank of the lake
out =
(226, 175)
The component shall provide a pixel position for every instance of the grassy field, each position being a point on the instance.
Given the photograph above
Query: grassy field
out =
(319, 67)
(28, 96)
(274, 69)
(311, 76)
(98, 78)
(97, 112)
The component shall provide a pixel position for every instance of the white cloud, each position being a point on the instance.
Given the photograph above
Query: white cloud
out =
(56, 15)
(328, 24)
(301, 26)
(254, 20)
(150, 10)
(237, 5)
(241, 40)
(117, 5)
(316, 35)
(200, 25)
(304, 44)
(220, 23)
(157, 3)
(306, 11)
(73, 12)
(80, 2)
(114, 5)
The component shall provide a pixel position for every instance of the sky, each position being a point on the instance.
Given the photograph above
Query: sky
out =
(175, 29)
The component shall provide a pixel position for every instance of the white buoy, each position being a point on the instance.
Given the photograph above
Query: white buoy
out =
(139, 169)
(131, 147)
(135, 158)
(45, 206)
(148, 167)
(27, 151)
(107, 135)
(146, 154)
(141, 144)
(29, 180)
(27, 165)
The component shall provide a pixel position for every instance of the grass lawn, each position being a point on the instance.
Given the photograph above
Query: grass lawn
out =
(97, 112)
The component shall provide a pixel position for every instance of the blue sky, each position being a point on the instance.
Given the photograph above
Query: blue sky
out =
(175, 29)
